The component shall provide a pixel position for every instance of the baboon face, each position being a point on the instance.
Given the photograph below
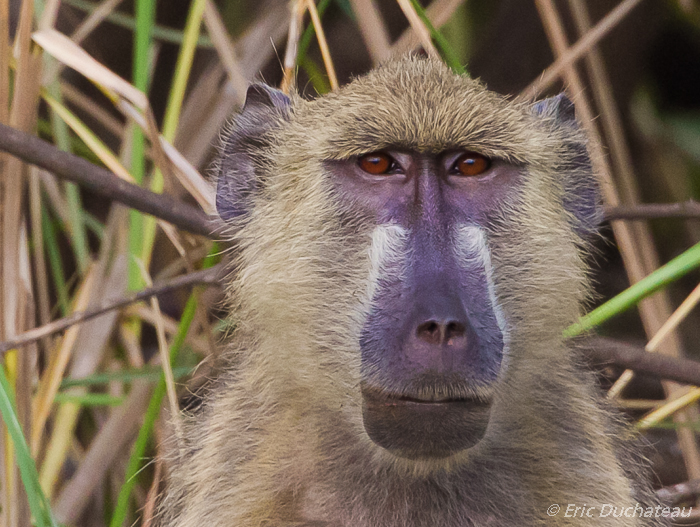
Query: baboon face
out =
(433, 341)
(403, 197)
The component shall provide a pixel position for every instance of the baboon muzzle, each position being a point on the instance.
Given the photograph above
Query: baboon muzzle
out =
(427, 395)
(419, 429)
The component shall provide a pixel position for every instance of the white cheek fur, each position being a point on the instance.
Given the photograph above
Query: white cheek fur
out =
(472, 250)
(387, 253)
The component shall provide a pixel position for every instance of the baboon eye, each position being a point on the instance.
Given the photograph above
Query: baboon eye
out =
(471, 164)
(376, 163)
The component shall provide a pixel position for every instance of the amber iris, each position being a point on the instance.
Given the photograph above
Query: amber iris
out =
(472, 164)
(375, 163)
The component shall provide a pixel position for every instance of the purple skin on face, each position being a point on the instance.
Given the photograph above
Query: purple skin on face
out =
(432, 344)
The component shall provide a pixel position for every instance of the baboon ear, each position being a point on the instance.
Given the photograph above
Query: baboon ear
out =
(581, 192)
(245, 151)
(558, 107)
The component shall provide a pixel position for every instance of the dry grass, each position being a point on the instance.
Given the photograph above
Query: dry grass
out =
(88, 393)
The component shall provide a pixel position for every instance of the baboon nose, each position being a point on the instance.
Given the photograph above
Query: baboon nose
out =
(440, 320)
(439, 334)
(452, 333)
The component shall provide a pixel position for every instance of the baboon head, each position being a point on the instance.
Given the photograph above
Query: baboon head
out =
(409, 246)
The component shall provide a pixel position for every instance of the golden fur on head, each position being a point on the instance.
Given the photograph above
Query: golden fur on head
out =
(280, 440)
(419, 104)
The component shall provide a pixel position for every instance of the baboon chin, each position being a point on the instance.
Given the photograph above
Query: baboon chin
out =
(409, 250)
(420, 428)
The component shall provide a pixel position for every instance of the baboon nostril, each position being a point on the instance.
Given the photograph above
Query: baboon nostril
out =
(454, 330)
(430, 332)
(439, 334)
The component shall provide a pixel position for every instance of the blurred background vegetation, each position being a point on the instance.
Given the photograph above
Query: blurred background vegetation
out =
(86, 409)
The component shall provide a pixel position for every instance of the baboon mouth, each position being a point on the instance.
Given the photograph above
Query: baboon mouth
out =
(450, 400)
(418, 428)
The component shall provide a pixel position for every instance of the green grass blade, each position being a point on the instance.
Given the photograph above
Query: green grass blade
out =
(664, 275)
(93, 224)
(309, 32)
(38, 503)
(174, 107)
(89, 399)
(346, 7)
(145, 16)
(316, 76)
(55, 263)
(88, 137)
(146, 373)
(448, 54)
(139, 449)
(77, 146)
(459, 32)
(182, 69)
(164, 34)
(78, 235)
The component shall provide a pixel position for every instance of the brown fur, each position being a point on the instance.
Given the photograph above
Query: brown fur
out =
(280, 441)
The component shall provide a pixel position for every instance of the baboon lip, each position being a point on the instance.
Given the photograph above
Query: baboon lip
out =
(416, 428)
(380, 397)
(413, 400)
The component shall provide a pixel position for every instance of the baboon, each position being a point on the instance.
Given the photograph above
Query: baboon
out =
(409, 250)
